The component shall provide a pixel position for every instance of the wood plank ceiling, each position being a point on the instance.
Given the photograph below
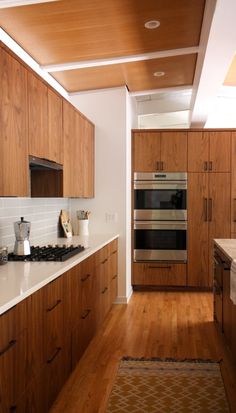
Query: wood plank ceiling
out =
(86, 30)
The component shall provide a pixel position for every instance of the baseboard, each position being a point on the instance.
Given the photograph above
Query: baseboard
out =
(124, 299)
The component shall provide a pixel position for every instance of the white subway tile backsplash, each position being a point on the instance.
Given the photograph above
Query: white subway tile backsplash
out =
(43, 213)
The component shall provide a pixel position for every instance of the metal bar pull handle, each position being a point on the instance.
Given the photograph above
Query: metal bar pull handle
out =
(158, 166)
(210, 210)
(54, 306)
(57, 351)
(8, 347)
(205, 209)
(205, 167)
(234, 209)
(162, 166)
(166, 267)
(210, 166)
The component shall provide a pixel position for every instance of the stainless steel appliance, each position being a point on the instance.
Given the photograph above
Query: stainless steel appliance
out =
(160, 196)
(22, 231)
(160, 241)
(49, 253)
(160, 216)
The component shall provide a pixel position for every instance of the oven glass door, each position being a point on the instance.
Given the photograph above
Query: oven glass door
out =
(160, 241)
(160, 201)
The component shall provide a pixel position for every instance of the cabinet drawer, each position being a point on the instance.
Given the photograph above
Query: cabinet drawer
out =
(113, 247)
(159, 274)
(53, 318)
(82, 334)
(13, 322)
(13, 372)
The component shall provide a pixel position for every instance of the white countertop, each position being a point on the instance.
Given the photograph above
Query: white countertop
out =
(18, 280)
(228, 247)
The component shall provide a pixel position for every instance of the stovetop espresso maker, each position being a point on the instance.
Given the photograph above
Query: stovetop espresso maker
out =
(22, 232)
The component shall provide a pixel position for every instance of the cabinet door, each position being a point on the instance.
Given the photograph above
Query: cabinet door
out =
(198, 152)
(88, 157)
(219, 151)
(14, 171)
(219, 212)
(174, 151)
(160, 274)
(227, 308)
(53, 318)
(55, 127)
(73, 160)
(146, 151)
(233, 186)
(197, 230)
(38, 117)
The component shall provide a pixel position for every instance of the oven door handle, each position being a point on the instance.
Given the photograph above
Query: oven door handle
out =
(161, 225)
(146, 185)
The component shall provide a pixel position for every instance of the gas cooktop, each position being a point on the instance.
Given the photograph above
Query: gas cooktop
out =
(48, 253)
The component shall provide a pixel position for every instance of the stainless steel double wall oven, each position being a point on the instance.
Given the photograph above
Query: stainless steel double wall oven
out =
(160, 216)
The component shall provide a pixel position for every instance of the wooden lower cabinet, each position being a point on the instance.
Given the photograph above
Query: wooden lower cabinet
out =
(44, 336)
(159, 274)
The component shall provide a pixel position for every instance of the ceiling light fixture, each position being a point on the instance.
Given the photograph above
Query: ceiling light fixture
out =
(152, 24)
(15, 3)
(159, 74)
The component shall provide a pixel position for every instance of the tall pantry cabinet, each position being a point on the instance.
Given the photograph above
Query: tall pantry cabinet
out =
(209, 166)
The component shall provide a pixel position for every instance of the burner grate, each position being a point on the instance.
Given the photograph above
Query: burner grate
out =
(48, 253)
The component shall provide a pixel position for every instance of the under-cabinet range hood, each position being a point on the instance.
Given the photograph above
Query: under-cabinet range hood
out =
(46, 178)
(43, 164)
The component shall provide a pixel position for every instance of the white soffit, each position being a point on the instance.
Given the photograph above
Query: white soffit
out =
(220, 50)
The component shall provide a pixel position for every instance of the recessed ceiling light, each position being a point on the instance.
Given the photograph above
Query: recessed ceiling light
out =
(152, 24)
(15, 3)
(159, 74)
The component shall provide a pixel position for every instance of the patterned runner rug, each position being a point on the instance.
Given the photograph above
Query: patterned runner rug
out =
(167, 386)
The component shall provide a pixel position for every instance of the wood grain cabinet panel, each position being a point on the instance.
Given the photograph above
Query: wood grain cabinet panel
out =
(38, 117)
(219, 151)
(14, 372)
(14, 171)
(55, 138)
(198, 152)
(209, 151)
(198, 247)
(174, 151)
(159, 274)
(233, 186)
(78, 135)
(146, 151)
(159, 151)
(219, 212)
(208, 208)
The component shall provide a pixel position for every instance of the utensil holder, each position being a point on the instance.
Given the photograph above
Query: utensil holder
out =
(83, 226)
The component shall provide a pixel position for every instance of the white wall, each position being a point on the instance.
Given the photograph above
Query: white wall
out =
(108, 110)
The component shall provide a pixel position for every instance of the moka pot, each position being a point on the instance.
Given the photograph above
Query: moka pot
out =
(22, 232)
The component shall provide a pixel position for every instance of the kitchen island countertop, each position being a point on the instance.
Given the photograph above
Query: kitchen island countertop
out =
(227, 246)
(19, 280)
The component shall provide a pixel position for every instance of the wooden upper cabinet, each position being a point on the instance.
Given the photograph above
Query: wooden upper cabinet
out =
(174, 151)
(55, 127)
(209, 151)
(159, 151)
(146, 151)
(198, 152)
(14, 173)
(38, 117)
(88, 157)
(219, 151)
(78, 173)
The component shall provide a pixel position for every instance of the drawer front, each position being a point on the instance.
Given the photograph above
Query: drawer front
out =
(13, 322)
(53, 318)
(113, 289)
(55, 376)
(159, 274)
(82, 335)
(13, 372)
(113, 247)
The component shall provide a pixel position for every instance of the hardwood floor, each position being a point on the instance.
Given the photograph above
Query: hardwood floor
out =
(153, 324)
